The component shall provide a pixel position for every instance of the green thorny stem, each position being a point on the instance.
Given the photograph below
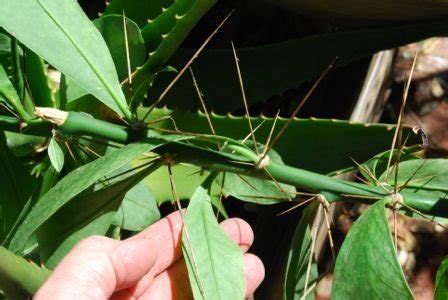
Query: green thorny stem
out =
(78, 124)
(20, 278)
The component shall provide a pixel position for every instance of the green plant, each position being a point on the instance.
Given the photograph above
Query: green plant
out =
(106, 150)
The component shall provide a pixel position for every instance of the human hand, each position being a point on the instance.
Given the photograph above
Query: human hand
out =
(148, 265)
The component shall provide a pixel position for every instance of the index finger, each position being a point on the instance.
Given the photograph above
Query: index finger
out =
(167, 237)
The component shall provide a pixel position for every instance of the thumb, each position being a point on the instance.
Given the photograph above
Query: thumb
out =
(97, 267)
(132, 260)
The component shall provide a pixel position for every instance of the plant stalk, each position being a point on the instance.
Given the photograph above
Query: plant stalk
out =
(33, 127)
(20, 279)
(73, 123)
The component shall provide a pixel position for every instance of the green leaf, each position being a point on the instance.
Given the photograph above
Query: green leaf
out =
(5, 43)
(61, 94)
(377, 165)
(10, 95)
(56, 155)
(214, 262)
(318, 145)
(37, 80)
(187, 178)
(441, 292)
(140, 93)
(17, 76)
(91, 213)
(76, 182)
(138, 209)
(426, 178)
(67, 39)
(367, 266)
(16, 186)
(272, 69)
(298, 257)
(79, 101)
(422, 175)
(53, 250)
(23, 144)
(20, 279)
(49, 179)
(5, 52)
(112, 29)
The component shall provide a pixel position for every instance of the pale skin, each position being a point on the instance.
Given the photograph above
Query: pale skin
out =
(146, 266)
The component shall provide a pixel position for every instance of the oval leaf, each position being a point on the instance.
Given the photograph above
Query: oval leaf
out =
(56, 155)
(138, 209)
(367, 266)
(214, 262)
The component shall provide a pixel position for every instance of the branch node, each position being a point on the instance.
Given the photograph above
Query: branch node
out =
(53, 115)
(322, 200)
(395, 201)
(168, 159)
(263, 161)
